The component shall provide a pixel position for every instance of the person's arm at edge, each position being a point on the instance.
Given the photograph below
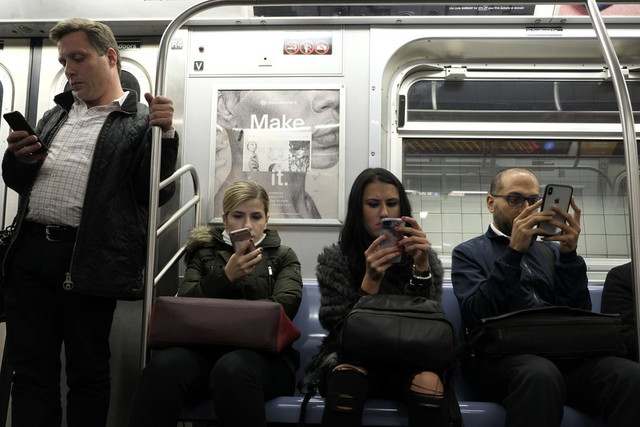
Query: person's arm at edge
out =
(617, 297)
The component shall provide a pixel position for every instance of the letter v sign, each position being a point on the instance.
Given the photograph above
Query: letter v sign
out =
(198, 65)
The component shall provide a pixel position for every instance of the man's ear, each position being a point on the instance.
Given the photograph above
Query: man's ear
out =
(112, 57)
(490, 201)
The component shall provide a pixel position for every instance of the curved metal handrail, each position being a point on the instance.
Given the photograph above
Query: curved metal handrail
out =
(622, 95)
(194, 202)
(156, 232)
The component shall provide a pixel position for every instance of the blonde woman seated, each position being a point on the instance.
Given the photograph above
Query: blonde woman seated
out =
(239, 381)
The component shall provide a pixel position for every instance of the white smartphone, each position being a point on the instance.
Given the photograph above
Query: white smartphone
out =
(240, 235)
(554, 194)
(388, 227)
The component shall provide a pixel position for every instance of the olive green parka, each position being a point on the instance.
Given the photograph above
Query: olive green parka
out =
(276, 277)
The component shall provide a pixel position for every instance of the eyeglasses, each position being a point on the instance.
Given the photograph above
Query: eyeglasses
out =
(517, 200)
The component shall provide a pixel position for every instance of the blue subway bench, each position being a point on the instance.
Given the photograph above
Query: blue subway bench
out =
(286, 409)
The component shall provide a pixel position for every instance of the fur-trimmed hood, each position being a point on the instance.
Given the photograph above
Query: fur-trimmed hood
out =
(199, 237)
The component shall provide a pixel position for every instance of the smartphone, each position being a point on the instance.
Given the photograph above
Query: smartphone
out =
(240, 235)
(554, 194)
(388, 227)
(17, 122)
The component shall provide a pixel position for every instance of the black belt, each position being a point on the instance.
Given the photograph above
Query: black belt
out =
(51, 232)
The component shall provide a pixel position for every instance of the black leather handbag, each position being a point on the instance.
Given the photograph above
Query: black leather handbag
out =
(552, 332)
(408, 330)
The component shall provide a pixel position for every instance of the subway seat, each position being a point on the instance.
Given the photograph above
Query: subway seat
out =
(286, 409)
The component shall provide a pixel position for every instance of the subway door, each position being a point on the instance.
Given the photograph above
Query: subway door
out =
(15, 60)
(139, 58)
(15, 65)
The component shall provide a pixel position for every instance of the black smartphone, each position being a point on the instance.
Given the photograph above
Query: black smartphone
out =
(16, 121)
(554, 194)
(240, 235)
(388, 227)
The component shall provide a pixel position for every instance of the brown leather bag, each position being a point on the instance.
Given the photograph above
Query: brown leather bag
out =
(185, 321)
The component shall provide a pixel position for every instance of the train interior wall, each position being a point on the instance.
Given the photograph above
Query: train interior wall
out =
(365, 61)
(372, 138)
(370, 58)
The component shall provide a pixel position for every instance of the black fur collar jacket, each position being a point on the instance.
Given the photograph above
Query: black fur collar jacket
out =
(339, 290)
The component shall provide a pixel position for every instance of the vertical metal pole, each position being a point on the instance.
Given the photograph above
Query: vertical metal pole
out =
(154, 179)
(630, 146)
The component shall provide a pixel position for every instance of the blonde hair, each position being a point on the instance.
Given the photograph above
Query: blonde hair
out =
(100, 35)
(241, 191)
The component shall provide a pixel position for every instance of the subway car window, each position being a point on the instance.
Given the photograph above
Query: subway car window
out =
(485, 95)
(449, 177)
(564, 101)
(594, 96)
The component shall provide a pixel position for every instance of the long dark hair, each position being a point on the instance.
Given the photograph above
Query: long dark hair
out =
(354, 239)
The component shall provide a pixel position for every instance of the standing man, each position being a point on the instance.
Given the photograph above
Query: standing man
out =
(506, 270)
(81, 233)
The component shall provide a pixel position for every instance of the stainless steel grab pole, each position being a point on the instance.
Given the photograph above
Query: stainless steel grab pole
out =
(630, 145)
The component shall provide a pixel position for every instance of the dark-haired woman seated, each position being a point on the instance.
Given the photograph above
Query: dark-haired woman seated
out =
(357, 265)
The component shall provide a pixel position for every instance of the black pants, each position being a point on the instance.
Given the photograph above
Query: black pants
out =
(41, 315)
(534, 390)
(239, 382)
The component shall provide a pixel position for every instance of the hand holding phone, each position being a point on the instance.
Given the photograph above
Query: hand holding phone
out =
(16, 121)
(241, 235)
(389, 228)
(554, 194)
